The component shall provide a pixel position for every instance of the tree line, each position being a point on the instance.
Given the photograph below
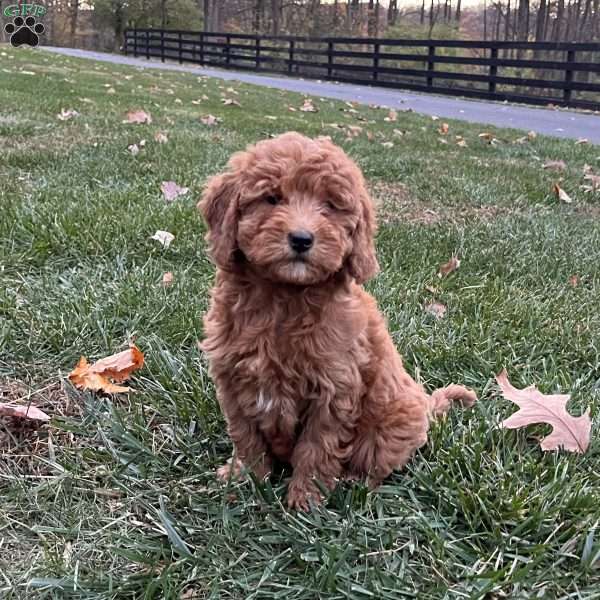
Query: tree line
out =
(75, 22)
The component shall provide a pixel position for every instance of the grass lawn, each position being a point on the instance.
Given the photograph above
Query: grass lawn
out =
(117, 497)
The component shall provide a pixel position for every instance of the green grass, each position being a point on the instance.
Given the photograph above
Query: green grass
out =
(117, 497)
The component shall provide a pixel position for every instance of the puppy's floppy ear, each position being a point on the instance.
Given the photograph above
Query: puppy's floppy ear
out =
(362, 263)
(219, 207)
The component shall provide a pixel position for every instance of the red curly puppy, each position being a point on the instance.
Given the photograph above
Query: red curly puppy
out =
(305, 369)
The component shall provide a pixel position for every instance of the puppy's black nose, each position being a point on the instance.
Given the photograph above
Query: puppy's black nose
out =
(300, 241)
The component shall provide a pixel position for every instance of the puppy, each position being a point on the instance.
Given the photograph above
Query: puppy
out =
(305, 369)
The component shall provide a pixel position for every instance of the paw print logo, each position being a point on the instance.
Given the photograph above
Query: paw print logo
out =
(24, 31)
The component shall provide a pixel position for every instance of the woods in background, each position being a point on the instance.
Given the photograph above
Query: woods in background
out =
(100, 23)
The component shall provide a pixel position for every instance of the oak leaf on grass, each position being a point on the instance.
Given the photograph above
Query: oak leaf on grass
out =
(102, 375)
(568, 432)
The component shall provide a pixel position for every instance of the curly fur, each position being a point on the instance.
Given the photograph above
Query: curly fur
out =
(305, 370)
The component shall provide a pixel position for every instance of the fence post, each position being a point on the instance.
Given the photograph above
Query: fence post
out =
(329, 60)
(375, 62)
(493, 71)
(227, 49)
(180, 48)
(201, 48)
(291, 59)
(162, 45)
(430, 65)
(257, 55)
(568, 77)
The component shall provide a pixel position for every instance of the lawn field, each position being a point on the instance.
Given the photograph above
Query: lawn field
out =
(117, 498)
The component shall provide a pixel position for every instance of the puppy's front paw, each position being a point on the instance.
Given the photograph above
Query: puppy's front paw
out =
(302, 495)
(232, 469)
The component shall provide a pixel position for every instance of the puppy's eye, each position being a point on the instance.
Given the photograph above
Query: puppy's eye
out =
(330, 205)
(273, 199)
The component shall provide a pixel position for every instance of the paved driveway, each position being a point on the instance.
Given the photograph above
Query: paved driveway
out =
(560, 123)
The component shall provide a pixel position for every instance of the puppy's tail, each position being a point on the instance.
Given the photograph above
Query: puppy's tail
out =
(440, 399)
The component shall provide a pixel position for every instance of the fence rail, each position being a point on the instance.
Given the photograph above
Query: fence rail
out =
(563, 74)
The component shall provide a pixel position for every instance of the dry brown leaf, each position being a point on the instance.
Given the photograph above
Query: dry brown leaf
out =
(134, 149)
(582, 141)
(435, 118)
(462, 143)
(138, 117)
(437, 309)
(161, 138)
(561, 194)
(531, 135)
(449, 267)
(444, 127)
(230, 102)
(163, 237)
(209, 120)
(171, 190)
(167, 278)
(392, 116)
(487, 136)
(22, 412)
(387, 144)
(568, 432)
(66, 114)
(594, 180)
(354, 130)
(574, 280)
(100, 375)
(308, 106)
(555, 165)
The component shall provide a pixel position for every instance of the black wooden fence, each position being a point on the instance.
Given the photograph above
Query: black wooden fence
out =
(563, 74)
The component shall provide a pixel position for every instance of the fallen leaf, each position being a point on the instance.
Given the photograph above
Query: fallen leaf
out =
(555, 165)
(167, 278)
(22, 412)
(486, 135)
(582, 141)
(449, 267)
(111, 90)
(142, 143)
(355, 130)
(434, 118)
(161, 138)
(101, 374)
(138, 117)
(561, 194)
(587, 169)
(230, 102)
(531, 135)
(209, 120)
(392, 116)
(574, 280)
(398, 132)
(164, 237)
(568, 432)
(134, 149)
(594, 180)
(171, 190)
(462, 143)
(437, 309)
(66, 114)
(308, 106)
(387, 144)
(444, 127)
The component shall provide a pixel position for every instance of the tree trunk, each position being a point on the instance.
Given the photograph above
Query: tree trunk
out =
(276, 14)
(206, 15)
(540, 19)
(73, 21)
(557, 27)
(422, 19)
(457, 14)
